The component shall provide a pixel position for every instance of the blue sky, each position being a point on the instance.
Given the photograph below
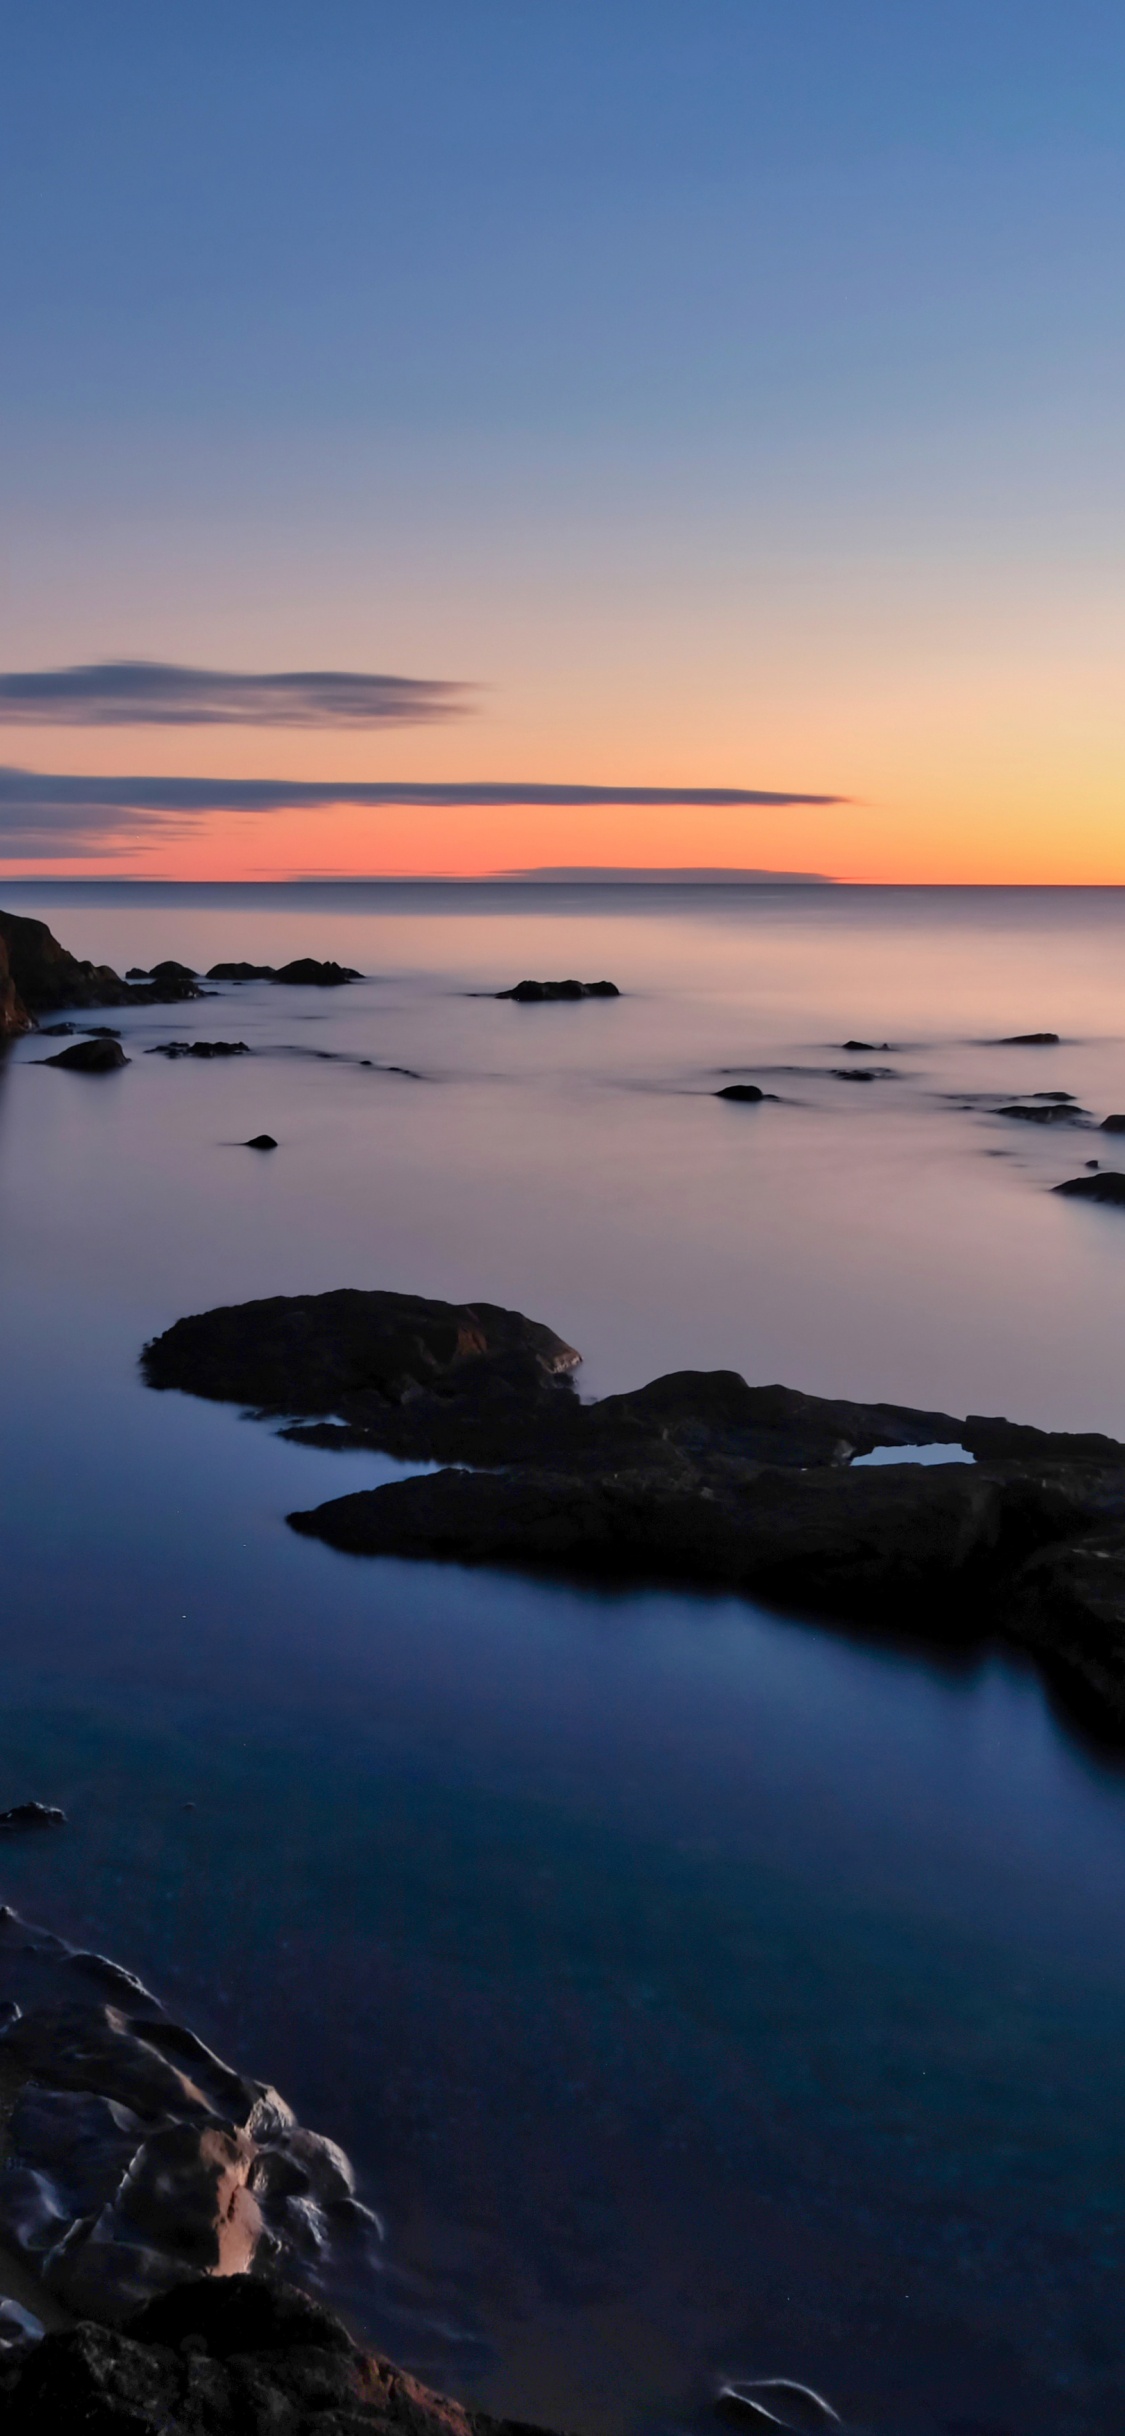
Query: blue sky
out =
(681, 374)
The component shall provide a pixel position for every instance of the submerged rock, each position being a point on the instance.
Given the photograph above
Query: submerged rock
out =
(535, 993)
(1045, 1110)
(32, 1814)
(199, 1048)
(1029, 1040)
(97, 1056)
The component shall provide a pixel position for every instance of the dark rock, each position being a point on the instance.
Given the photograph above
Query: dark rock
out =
(226, 2357)
(32, 1814)
(1043, 1111)
(90, 1057)
(199, 1048)
(1106, 1185)
(1061, 1098)
(740, 1091)
(242, 972)
(137, 972)
(1112, 1124)
(859, 1074)
(261, 1141)
(14, 1017)
(88, 1031)
(535, 993)
(47, 975)
(169, 970)
(857, 1048)
(306, 973)
(1029, 1040)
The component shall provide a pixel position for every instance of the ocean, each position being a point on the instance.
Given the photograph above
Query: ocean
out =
(699, 1993)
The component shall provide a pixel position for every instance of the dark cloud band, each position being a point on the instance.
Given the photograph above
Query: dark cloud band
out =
(53, 815)
(157, 693)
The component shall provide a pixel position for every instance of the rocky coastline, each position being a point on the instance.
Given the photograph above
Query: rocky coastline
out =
(1014, 1534)
(162, 2219)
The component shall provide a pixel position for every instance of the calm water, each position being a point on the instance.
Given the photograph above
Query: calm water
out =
(698, 1993)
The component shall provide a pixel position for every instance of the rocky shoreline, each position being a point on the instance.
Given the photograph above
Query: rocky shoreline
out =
(154, 2204)
(698, 1479)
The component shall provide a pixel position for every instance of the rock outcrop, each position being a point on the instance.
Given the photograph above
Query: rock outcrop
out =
(224, 2358)
(697, 1478)
(1106, 1185)
(96, 1056)
(45, 974)
(305, 973)
(535, 993)
(134, 2159)
(14, 1017)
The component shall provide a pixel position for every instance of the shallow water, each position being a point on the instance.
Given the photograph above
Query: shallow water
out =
(700, 1994)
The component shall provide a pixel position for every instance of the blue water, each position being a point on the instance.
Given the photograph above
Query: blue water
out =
(699, 1993)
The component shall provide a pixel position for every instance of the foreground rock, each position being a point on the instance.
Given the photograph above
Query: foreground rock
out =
(534, 993)
(97, 1056)
(45, 974)
(1105, 1185)
(697, 1478)
(134, 2159)
(235, 2355)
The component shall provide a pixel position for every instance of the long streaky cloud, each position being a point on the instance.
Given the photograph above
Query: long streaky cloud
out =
(158, 693)
(56, 814)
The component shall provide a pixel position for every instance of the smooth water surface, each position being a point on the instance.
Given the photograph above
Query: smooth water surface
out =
(699, 1993)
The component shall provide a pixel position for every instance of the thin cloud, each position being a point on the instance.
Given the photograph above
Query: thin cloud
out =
(158, 693)
(54, 815)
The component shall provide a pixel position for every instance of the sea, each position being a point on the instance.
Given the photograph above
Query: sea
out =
(702, 1994)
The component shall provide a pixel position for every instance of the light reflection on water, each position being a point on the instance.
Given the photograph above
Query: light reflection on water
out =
(700, 1994)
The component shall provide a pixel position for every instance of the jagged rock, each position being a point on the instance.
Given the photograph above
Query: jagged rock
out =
(305, 973)
(135, 2157)
(242, 972)
(97, 1056)
(1106, 1185)
(535, 993)
(225, 2358)
(32, 1814)
(45, 974)
(199, 1048)
(14, 1017)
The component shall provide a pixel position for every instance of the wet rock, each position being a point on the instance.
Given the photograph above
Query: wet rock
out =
(68, 1031)
(261, 1141)
(225, 2358)
(242, 972)
(305, 973)
(1106, 1185)
(859, 1048)
(1112, 1124)
(199, 1048)
(536, 993)
(1029, 1040)
(136, 2159)
(740, 1091)
(90, 1057)
(32, 1814)
(1044, 1111)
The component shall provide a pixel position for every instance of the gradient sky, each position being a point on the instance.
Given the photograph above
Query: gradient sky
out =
(731, 390)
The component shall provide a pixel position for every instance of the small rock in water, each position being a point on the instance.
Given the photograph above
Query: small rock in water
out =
(740, 1091)
(536, 993)
(32, 1814)
(1112, 1124)
(854, 1074)
(1029, 1040)
(860, 1048)
(171, 971)
(242, 972)
(1042, 1112)
(1106, 1185)
(97, 1056)
(305, 973)
(260, 1141)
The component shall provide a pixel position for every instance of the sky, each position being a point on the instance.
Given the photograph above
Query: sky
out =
(529, 433)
